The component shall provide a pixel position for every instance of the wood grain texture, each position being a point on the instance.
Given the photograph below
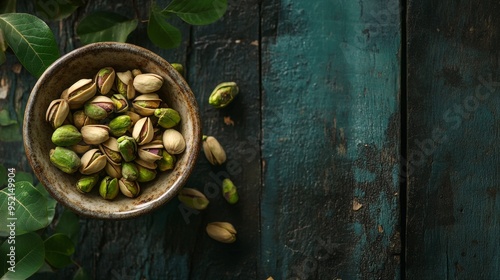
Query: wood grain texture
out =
(330, 114)
(453, 209)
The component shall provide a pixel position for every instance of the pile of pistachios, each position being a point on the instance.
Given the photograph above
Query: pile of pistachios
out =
(115, 131)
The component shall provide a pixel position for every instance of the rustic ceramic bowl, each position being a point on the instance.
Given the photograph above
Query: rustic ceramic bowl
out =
(84, 63)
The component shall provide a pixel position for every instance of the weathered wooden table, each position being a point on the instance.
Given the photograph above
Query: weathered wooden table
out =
(363, 143)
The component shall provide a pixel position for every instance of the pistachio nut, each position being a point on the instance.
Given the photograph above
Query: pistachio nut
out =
(179, 68)
(127, 147)
(109, 188)
(65, 159)
(124, 84)
(113, 170)
(121, 103)
(95, 134)
(145, 174)
(57, 112)
(143, 131)
(146, 104)
(130, 171)
(93, 161)
(66, 135)
(86, 183)
(151, 151)
(173, 141)
(136, 72)
(213, 150)
(166, 162)
(133, 116)
(78, 93)
(223, 94)
(99, 107)
(222, 231)
(80, 148)
(110, 149)
(193, 198)
(120, 125)
(105, 79)
(229, 191)
(148, 83)
(80, 119)
(167, 117)
(146, 164)
(129, 188)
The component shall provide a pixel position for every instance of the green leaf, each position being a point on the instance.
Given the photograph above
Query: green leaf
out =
(24, 176)
(7, 6)
(162, 33)
(3, 176)
(30, 208)
(29, 252)
(54, 10)
(3, 47)
(81, 274)
(31, 40)
(69, 224)
(58, 250)
(5, 119)
(10, 133)
(105, 26)
(198, 12)
(51, 203)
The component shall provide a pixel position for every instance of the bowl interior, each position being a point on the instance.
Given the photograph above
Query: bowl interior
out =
(84, 63)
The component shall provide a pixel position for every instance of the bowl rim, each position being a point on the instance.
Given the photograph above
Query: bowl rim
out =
(176, 77)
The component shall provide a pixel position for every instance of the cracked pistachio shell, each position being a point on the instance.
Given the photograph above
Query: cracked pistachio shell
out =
(147, 83)
(179, 68)
(121, 103)
(193, 198)
(86, 183)
(229, 191)
(108, 188)
(95, 134)
(146, 164)
(124, 84)
(143, 131)
(113, 170)
(223, 94)
(129, 188)
(167, 117)
(57, 112)
(93, 161)
(151, 151)
(221, 231)
(110, 149)
(80, 148)
(105, 79)
(66, 135)
(136, 72)
(80, 119)
(79, 93)
(167, 161)
(145, 174)
(127, 147)
(120, 125)
(133, 116)
(173, 141)
(65, 159)
(130, 171)
(99, 107)
(146, 104)
(213, 150)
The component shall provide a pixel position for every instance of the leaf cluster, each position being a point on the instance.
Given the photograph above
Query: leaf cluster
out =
(34, 44)
(36, 247)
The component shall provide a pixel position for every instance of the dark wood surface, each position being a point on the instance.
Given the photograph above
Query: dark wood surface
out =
(318, 149)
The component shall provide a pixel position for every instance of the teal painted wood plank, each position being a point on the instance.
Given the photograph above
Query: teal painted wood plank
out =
(331, 119)
(453, 154)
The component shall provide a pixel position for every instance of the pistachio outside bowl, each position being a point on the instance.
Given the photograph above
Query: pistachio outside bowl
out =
(85, 62)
